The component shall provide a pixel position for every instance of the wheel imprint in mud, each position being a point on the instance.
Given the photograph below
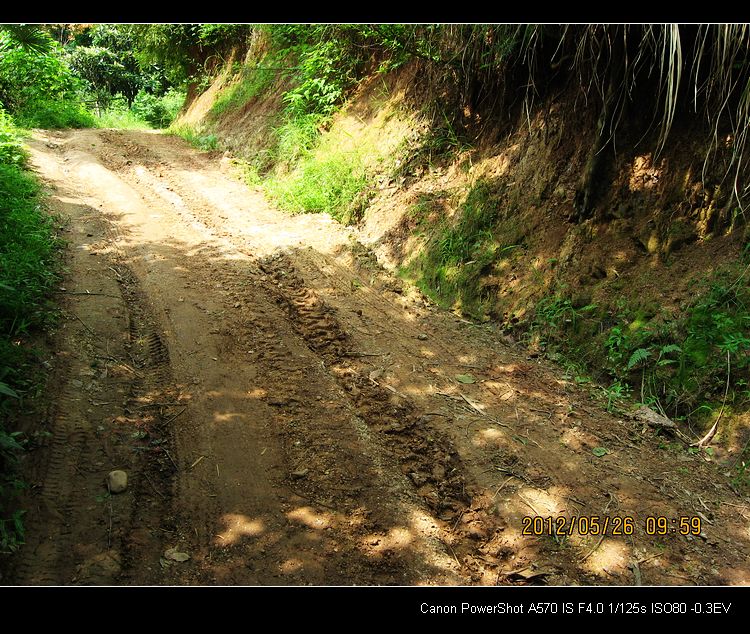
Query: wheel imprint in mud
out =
(425, 456)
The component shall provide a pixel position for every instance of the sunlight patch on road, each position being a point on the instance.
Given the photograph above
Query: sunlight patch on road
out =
(489, 437)
(291, 565)
(227, 417)
(611, 556)
(305, 515)
(237, 527)
(544, 503)
(578, 440)
(397, 538)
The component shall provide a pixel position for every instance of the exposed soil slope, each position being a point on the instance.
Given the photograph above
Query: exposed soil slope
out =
(288, 413)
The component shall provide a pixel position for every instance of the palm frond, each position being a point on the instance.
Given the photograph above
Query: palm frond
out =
(28, 36)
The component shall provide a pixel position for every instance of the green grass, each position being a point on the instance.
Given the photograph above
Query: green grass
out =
(314, 173)
(28, 264)
(27, 253)
(54, 114)
(678, 363)
(147, 112)
(252, 81)
(450, 267)
(123, 119)
(197, 137)
(324, 182)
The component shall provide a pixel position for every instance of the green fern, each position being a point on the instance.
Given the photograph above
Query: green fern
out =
(639, 355)
(669, 348)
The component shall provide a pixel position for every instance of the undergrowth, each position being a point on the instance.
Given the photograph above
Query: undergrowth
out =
(250, 81)
(196, 136)
(687, 365)
(28, 249)
(461, 250)
(147, 111)
(302, 171)
(317, 176)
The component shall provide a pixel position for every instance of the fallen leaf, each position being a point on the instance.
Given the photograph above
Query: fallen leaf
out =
(175, 555)
(529, 573)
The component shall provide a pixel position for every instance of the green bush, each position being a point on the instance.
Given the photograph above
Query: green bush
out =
(27, 251)
(450, 267)
(678, 363)
(195, 136)
(51, 114)
(119, 115)
(11, 149)
(252, 81)
(150, 108)
(40, 90)
(321, 184)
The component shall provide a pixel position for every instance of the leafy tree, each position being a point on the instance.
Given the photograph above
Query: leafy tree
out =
(37, 86)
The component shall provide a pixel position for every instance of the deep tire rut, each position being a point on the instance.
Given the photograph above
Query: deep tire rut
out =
(89, 437)
(423, 454)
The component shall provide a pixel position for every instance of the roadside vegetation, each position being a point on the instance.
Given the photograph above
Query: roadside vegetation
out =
(28, 269)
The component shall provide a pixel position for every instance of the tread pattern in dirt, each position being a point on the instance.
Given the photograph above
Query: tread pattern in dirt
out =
(425, 456)
(80, 534)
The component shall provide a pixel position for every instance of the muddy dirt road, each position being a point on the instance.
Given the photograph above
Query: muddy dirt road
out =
(288, 413)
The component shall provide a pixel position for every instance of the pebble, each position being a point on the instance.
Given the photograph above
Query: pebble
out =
(418, 478)
(117, 481)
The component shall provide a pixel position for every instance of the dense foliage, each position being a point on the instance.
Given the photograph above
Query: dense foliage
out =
(38, 88)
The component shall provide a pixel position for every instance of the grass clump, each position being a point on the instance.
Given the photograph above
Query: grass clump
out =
(687, 364)
(119, 116)
(250, 82)
(317, 177)
(148, 111)
(196, 136)
(461, 251)
(55, 114)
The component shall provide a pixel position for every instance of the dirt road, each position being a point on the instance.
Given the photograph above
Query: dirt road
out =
(289, 414)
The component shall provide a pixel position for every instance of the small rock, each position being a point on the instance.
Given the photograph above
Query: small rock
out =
(422, 337)
(117, 481)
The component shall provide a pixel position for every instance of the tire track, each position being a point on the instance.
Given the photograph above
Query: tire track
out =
(421, 452)
(79, 533)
